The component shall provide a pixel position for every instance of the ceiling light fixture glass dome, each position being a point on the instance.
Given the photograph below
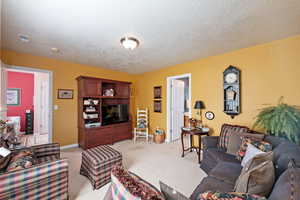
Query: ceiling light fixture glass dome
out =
(129, 43)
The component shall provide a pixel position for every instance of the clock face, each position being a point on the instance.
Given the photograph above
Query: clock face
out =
(209, 115)
(231, 78)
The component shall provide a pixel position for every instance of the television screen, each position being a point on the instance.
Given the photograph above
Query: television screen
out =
(112, 114)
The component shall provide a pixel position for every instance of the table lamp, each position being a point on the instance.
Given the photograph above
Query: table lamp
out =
(199, 105)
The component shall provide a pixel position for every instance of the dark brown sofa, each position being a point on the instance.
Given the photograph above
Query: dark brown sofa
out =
(223, 169)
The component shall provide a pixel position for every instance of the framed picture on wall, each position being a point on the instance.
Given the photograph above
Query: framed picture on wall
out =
(13, 96)
(157, 106)
(65, 94)
(157, 92)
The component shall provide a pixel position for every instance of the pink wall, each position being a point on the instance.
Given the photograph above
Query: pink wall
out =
(25, 82)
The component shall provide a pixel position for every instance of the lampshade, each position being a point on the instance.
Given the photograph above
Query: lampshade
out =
(199, 105)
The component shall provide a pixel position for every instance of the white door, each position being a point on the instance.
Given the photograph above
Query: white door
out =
(41, 107)
(3, 79)
(177, 108)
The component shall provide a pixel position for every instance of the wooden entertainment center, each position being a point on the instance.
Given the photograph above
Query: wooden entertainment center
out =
(94, 95)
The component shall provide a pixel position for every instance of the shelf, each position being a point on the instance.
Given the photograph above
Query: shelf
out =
(109, 126)
(106, 97)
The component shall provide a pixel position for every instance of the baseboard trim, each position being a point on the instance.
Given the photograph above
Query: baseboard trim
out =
(69, 146)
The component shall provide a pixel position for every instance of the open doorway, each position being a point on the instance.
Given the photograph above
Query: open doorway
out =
(29, 104)
(178, 104)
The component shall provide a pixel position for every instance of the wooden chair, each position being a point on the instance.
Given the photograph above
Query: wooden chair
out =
(142, 125)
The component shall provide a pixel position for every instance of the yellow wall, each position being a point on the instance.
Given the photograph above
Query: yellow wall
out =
(64, 74)
(268, 72)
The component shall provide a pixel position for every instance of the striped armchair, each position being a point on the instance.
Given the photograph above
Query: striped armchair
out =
(48, 179)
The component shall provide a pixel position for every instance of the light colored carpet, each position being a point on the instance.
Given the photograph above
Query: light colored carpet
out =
(152, 162)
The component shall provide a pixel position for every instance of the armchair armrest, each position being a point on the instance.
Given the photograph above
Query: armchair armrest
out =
(44, 181)
(108, 195)
(210, 142)
(47, 150)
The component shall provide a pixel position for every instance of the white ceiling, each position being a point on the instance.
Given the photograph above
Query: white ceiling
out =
(170, 31)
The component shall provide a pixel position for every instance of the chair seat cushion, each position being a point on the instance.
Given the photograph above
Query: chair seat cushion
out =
(211, 184)
(219, 155)
(226, 171)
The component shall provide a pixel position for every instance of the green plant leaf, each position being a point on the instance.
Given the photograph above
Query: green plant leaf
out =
(280, 120)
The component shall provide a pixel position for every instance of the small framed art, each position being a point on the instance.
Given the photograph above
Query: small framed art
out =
(157, 106)
(13, 96)
(157, 92)
(65, 94)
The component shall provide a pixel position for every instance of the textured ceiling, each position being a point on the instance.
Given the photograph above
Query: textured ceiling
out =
(170, 31)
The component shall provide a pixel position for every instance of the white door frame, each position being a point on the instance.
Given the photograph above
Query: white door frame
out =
(169, 96)
(13, 67)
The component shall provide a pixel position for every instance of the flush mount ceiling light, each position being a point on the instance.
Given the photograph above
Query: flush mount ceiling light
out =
(55, 50)
(23, 38)
(129, 42)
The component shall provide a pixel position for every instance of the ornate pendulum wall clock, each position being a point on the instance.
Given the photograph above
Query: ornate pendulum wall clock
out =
(231, 86)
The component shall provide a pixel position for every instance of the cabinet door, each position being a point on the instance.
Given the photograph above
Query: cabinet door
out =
(91, 88)
(98, 137)
(123, 90)
(121, 132)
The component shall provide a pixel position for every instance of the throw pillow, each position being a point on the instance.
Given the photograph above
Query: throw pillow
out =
(258, 176)
(287, 186)
(4, 162)
(261, 145)
(21, 160)
(234, 144)
(128, 186)
(251, 152)
(142, 123)
(229, 196)
(235, 140)
(171, 194)
(225, 130)
(3, 143)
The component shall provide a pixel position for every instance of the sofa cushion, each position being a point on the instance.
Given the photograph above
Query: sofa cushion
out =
(262, 145)
(211, 184)
(287, 186)
(275, 141)
(228, 196)
(220, 155)
(258, 176)
(226, 171)
(283, 153)
(226, 129)
(47, 159)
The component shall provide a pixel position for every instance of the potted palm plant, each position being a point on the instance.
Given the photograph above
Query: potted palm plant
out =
(282, 120)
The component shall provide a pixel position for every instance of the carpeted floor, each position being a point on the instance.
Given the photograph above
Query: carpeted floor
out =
(153, 162)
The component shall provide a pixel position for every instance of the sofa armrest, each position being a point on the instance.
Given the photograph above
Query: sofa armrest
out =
(210, 142)
(47, 180)
(47, 150)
